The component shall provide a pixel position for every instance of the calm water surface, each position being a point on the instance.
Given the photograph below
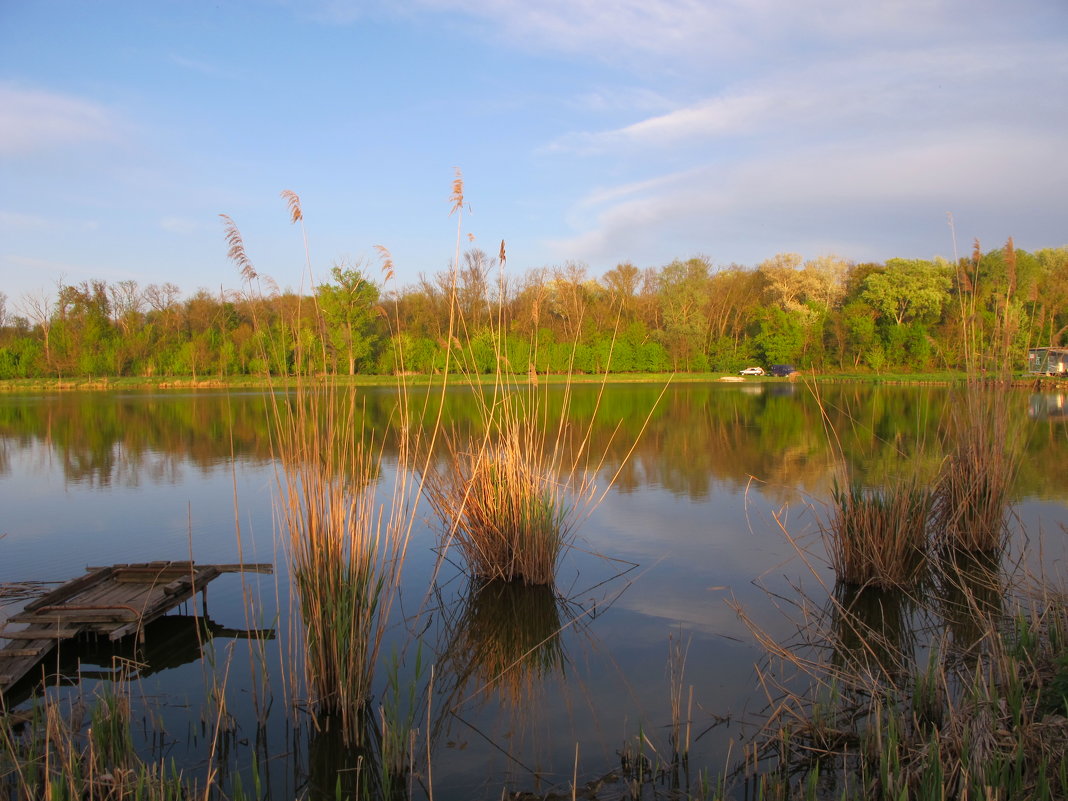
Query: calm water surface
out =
(696, 521)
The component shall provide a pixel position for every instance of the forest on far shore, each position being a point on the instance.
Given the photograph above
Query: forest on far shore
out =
(827, 314)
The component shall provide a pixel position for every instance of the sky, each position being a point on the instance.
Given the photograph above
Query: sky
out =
(591, 131)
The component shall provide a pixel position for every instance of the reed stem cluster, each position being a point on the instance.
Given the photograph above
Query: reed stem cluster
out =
(884, 536)
(346, 544)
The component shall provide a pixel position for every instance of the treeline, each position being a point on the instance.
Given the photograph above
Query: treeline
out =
(827, 314)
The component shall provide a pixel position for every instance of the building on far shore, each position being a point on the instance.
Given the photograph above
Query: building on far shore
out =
(1047, 361)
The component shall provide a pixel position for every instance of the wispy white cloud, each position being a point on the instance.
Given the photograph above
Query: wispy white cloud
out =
(816, 197)
(711, 31)
(181, 225)
(196, 65)
(22, 222)
(34, 120)
(839, 97)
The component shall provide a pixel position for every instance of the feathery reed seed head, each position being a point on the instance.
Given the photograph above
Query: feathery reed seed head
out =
(292, 200)
(237, 254)
(457, 196)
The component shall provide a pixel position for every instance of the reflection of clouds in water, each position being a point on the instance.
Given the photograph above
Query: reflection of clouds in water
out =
(693, 557)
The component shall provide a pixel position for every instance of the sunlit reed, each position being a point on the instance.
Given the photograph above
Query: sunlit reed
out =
(877, 536)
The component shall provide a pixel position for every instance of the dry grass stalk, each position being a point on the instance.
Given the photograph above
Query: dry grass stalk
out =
(237, 252)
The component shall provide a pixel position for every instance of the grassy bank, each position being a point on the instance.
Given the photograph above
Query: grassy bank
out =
(258, 382)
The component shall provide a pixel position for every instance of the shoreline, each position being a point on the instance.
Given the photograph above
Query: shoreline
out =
(108, 384)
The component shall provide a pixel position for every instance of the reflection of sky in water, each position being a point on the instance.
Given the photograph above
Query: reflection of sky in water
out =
(695, 536)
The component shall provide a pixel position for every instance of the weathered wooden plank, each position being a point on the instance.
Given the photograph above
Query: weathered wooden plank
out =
(87, 613)
(117, 600)
(76, 617)
(70, 589)
(237, 567)
(44, 634)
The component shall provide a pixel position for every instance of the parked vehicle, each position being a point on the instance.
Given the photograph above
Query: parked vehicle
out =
(781, 370)
(753, 371)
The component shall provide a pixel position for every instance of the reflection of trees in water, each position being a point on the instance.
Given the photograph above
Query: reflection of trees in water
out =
(102, 439)
(699, 434)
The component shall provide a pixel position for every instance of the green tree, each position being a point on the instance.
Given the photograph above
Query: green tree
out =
(349, 309)
(908, 289)
(781, 336)
(683, 294)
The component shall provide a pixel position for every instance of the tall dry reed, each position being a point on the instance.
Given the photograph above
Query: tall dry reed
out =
(346, 538)
(511, 496)
(346, 544)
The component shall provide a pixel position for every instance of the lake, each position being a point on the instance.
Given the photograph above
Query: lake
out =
(717, 508)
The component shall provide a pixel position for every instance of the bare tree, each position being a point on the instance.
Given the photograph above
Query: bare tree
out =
(38, 307)
(127, 304)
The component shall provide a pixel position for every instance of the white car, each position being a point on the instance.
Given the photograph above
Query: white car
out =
(753, 371)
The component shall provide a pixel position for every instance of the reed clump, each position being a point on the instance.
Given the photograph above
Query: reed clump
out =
(982, 719)
(973, 489)
(346, 545)
(509, 496)
(877, 536)
(345, 540)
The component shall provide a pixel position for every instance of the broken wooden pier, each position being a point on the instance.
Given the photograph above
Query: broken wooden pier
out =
(114, 601)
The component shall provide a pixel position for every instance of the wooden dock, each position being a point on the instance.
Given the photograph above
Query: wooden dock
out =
(115, 601)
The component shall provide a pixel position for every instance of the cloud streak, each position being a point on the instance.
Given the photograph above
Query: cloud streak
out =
(887, 91)
(33, 120)
(859, 200)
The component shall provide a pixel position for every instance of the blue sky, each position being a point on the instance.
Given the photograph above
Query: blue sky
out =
(586, 130)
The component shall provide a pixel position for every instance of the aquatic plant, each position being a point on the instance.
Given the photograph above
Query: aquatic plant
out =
(951, 720)
(511, 499)
(53, 752)
(973, 490)
(877, 536)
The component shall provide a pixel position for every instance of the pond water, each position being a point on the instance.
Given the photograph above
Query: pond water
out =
(716, 508)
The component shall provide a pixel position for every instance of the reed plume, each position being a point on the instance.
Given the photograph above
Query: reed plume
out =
(237, 253)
